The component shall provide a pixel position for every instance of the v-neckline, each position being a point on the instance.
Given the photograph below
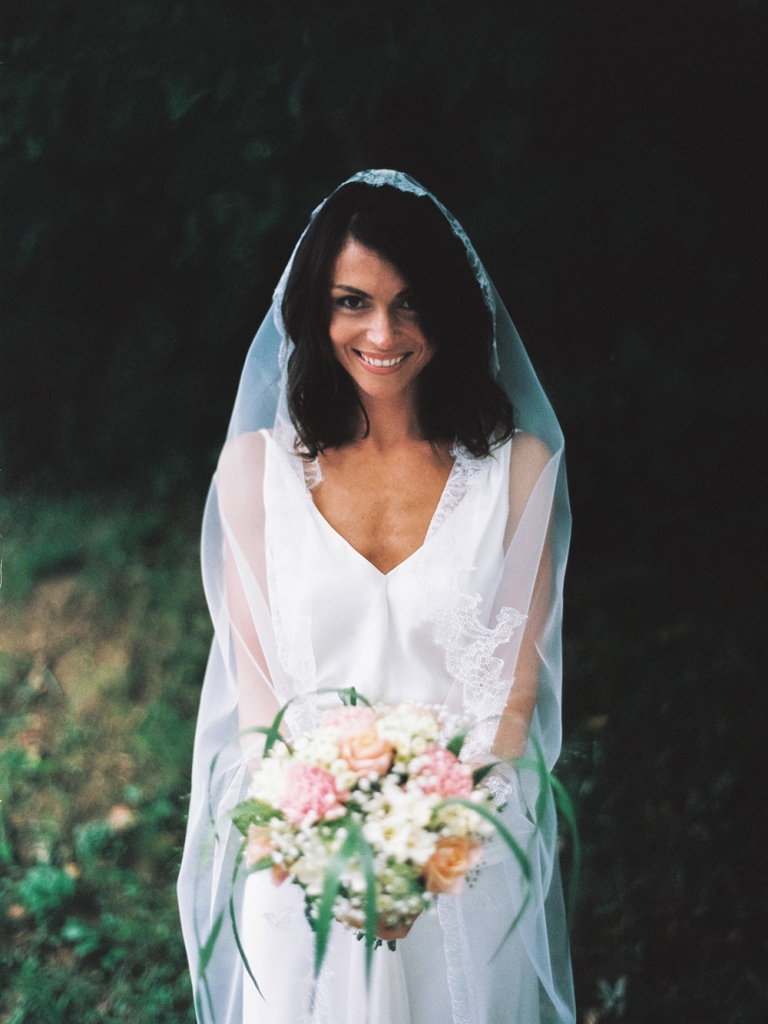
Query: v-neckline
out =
(458, 457)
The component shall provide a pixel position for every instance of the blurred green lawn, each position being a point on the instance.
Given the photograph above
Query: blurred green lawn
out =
(103, 639)
(103, 634)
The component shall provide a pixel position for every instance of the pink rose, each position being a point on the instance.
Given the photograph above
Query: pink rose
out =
(367, 752)
(446, 869)
(310, 795)
(348, 720)
(442, 772)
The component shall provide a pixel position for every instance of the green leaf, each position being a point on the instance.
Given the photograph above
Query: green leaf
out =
(331, 885)
(262, 865)
(253, 812)
(207, 950)
(538, 765)
(549, 784)
(457, 743)
(233, 919)
(273, 732)
(482, 772)
(238, 943)
(205, 954)
(365, 856)
(348, 695)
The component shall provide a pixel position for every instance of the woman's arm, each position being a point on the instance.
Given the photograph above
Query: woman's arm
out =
(240, 484)
(528, 459)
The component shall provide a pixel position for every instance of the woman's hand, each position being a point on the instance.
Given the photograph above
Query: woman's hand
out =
(398, 931)
(387, 933)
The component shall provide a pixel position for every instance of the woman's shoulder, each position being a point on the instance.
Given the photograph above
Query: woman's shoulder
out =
(528, 453)
(525, 452)
(241, 463)
(528, 458)
(245, 447)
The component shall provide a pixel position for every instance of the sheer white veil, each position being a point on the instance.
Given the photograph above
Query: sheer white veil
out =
(254, 668)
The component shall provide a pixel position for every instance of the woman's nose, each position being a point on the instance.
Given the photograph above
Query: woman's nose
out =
(380, 329)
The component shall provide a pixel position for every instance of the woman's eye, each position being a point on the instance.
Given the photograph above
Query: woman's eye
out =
(350, 302)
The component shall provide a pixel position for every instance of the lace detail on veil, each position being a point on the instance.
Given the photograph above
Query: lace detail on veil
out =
(465, 473)
(469, 647)
(460, 986)
(468, 643)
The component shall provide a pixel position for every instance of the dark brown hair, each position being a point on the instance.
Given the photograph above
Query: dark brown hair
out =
(457, 398)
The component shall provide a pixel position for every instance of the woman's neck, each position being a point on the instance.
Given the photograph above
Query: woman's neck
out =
(392, 423)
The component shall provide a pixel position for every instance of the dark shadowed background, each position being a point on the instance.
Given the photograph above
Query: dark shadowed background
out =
(157, 163)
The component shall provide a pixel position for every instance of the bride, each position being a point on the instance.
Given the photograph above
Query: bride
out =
(389, 512)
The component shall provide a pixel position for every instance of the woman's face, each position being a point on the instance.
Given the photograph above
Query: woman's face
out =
(374, 327)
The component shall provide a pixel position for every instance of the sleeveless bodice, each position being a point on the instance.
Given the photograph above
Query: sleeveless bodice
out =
(342, 622)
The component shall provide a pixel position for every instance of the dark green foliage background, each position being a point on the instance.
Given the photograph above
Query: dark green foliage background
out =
(157, 163)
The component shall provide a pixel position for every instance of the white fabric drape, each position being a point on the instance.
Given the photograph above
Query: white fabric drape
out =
(471, 620)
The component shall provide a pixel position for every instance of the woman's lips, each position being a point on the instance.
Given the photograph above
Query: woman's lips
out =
(381, 364)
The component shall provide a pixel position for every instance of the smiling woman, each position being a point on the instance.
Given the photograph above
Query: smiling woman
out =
(377, 521)
(374, 328)
(380, 271)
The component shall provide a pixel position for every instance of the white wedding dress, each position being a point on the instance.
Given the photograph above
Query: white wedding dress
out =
(471, 620)
(340, 622)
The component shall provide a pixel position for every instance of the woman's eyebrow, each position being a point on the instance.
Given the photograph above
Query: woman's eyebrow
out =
(365, 295)
(355, 291)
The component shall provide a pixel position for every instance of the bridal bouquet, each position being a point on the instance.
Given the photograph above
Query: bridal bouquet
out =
(373, 815)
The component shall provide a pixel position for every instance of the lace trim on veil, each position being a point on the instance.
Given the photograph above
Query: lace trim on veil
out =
(468, 643)
(460, 986)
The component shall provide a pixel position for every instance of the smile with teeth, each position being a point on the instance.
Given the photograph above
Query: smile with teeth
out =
(382, 362)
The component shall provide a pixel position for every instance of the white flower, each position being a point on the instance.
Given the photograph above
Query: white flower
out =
(326, 752)
(311, 866)
(397, 823)
(269, 782)
(418, 745)
(405, 724)
(460, 820)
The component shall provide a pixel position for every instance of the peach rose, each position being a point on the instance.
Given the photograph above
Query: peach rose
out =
(367, 752)
(279, 874)
(258, 847)
(454, 856)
